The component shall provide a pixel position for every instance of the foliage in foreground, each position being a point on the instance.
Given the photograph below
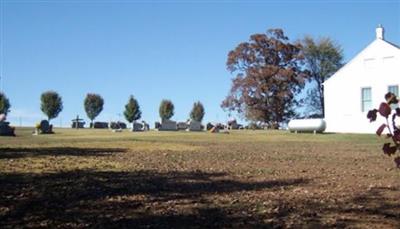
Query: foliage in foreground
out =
(51, 104)
(394, 131)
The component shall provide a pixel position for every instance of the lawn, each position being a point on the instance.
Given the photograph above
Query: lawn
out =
(273, 179)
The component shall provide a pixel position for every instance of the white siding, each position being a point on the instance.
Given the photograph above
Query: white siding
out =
(377, 67)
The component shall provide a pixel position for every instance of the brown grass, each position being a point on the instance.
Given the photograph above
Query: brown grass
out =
(95, 178)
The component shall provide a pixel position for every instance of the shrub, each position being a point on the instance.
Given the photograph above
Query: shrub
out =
(394, 132)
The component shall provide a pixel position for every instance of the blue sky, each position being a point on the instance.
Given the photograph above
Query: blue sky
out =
(157, 49)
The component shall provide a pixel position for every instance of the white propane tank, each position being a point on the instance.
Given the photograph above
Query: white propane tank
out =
(307, 125)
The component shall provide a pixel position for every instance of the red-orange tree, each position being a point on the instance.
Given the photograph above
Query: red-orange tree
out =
(269, 74)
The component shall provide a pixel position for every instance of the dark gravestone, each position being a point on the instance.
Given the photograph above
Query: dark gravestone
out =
(77, 123)
(100, 125)
(5, 129)
(122, 125)
(117, 125)
(137, 126)
(146, 127)
(45, 127)
(209, 126)
(157, 125)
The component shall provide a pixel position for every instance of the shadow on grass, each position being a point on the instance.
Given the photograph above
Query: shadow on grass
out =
(13, 153)
(87, 198)
(374, 208)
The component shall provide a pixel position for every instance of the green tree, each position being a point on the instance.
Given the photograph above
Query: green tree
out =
(323, 57)
(4, 104)
(166, 109)
(93, 104)
(197, 112)
(132, 110)
(51, 104)
(269, 74)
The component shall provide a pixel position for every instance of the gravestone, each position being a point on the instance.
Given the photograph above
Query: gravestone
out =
(182, 125)
(117, 125)
(209, 126)
(100, 125)
(233, 125)
(168, 125)
(45, 127)
(137, 126)
(157, 125)
(77, 123)
(146, 127)
(194, 126)
(214, 129)
(5, 128)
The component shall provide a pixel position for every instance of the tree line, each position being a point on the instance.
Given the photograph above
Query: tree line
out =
(51, 105)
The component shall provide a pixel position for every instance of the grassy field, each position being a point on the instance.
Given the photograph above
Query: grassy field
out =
(96, 178)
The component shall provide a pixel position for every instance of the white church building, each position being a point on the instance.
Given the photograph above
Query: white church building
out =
(361, 85)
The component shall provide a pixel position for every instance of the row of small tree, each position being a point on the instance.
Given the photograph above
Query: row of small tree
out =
(166, 111)
(51, 105)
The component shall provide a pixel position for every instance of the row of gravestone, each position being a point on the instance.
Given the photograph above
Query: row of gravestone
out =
(136, 126)
(165, 125)
(99, 125)
(169, 125)
(44, 127)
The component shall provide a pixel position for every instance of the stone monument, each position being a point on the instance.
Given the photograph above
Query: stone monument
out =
(182, 126)
(194, 126)
(45, 127)
(146, 127)
(77, 123)
(168, 125)
(5, 128)
(137, 126)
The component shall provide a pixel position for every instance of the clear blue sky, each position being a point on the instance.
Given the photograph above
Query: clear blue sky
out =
(157, 49)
